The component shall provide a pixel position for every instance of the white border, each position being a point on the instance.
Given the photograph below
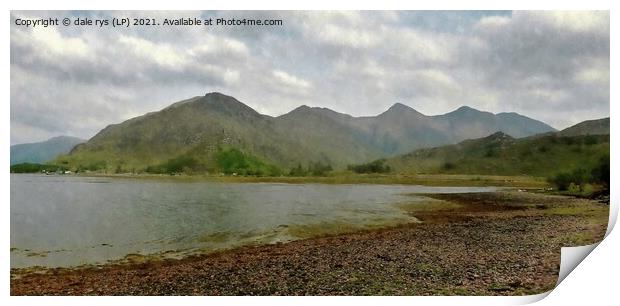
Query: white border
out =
(594, 280)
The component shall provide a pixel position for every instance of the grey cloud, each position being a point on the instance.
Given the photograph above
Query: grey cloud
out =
(544, 63)
(552, 66)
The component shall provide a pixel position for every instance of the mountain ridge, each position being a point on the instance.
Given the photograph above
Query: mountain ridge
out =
(202, 126)
(40, 152)
(588, 127)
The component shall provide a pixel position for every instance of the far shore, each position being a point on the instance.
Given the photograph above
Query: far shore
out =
(496, 243)
(472, 180)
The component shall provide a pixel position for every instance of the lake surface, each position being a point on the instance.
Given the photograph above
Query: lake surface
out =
(62, 221)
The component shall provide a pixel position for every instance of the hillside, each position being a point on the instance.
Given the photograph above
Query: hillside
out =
(40, 152)
(501, 154)
(194, 133)
(195, 129)
(590, 127)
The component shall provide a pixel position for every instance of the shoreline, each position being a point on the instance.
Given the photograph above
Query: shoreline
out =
(445, 180)
(498, 243)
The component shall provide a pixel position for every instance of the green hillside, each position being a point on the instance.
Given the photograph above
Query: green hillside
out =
(589, 127)
(198, 128)
(500, 154)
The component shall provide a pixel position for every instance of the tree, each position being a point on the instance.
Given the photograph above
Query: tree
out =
(319, 169)
(376, 166)
(601, 172)
(298, 171)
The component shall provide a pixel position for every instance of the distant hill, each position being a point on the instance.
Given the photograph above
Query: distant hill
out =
(501, 154)
(590, 127)
(40, 152)
(401, 128)
(194, 133)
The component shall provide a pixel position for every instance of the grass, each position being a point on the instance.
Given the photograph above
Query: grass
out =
(537, 156)
(35, 168)
(324, 229)
(428, 206)
(351, 178)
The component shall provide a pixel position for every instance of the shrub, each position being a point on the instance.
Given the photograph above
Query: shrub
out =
(232, 161)
(448, 166)
(563, 180)
(601, 173)
(298, 171)
(35, 168)
(175, 165)
(377, 166)
(590, 140)
(581, 178)
(319, 169)
(573, 188)
(180, 164)
(92, 166)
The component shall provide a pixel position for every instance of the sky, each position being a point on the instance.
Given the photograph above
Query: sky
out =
(75, 80)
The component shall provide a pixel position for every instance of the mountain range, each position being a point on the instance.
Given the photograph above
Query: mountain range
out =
(40, 152)
(200, 127)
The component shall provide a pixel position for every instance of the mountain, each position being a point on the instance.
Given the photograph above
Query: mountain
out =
(200, 129)
(401, 129)
(40, 152)
(466, 122)
(590, 127)
(200, 134)
(500, 154)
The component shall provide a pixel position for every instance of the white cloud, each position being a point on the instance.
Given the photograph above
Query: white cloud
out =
(52, 42)
(421, 46)
(339, 36)
(162, 54)
(493, 22)
(435, 77)
(291, 81)
(231, 76)
(531, 62)
(222, 47)
(577, 21)
(593, 76)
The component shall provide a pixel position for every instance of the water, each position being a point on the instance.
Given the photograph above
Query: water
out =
(69, 221)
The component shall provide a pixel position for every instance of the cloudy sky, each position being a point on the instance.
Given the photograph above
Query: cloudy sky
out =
(551, 66)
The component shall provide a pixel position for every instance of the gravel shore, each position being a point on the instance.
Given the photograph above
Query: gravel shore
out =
(501, 243)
